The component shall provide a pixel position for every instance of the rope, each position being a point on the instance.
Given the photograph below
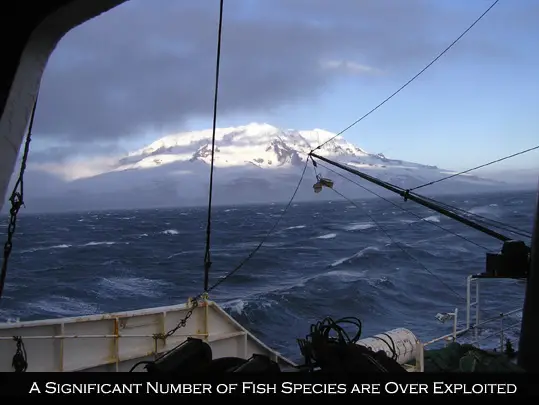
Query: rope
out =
(322, 330)
(474, 168)
(328, 348)
(207, 257)
(257, 248)
(404, 209)
(412, 79)
(392, 348)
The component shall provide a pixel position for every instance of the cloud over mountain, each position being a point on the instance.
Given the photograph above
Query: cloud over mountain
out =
(255, 163)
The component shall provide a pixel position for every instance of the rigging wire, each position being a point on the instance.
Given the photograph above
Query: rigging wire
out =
(412, 213)
(412, 79)
(486, 220)
(207, 256)
(267, 235)
(403, 249)
(194, 301)
(350, 126)
(403, 209)
(416, 198)
(475, 168)
(479, 218)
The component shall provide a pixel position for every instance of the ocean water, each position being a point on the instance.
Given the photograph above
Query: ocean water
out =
(324, 259)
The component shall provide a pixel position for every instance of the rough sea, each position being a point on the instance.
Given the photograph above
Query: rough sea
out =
(323, 259)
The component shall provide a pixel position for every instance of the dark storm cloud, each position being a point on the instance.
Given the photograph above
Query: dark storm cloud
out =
(150, 64)
(69, 151)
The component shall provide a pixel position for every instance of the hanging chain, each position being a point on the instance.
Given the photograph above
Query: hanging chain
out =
(17, 201)
(193, 303)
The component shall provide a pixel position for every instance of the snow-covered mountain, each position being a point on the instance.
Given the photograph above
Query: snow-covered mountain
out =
(260, 145)
(253, 163)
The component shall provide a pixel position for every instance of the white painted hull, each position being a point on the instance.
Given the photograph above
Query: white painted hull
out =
(116, 341)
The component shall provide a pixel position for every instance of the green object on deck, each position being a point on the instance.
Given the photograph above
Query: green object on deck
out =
(467, 358)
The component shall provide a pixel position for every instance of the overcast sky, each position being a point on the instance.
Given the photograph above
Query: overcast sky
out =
(146, 69)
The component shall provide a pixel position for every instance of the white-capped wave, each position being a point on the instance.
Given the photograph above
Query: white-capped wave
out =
(239, 306)
(327, 236)
(62, 246)
(295, 227)
(170, 232)
(103, 243)
(236, 306)
(63, 306)
(485, 209)
(358, 226)
(65, 246)
(344, 275)
(357, 255)
(116, 287)
(432, 218)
